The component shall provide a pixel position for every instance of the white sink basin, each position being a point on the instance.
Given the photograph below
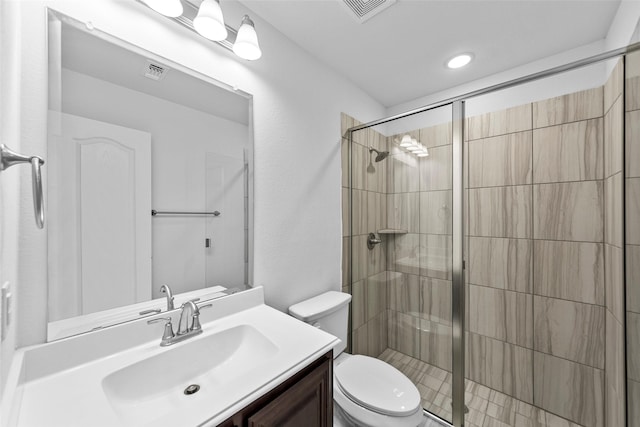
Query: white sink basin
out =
(156, 385)
(121, 376)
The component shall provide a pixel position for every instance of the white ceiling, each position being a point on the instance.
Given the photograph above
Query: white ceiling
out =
(85, 53)
(399, 54)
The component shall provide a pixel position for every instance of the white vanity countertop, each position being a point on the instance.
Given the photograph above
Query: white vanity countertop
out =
(58, 386)
(80, 324)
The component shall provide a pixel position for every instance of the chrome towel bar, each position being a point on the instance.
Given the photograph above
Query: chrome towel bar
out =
(9, 158)
(156, 213)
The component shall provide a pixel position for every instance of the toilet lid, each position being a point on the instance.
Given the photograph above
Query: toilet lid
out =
(377, 386)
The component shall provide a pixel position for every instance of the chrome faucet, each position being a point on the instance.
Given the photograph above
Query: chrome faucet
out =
(167, 290)
(189, 316)
(187, 313)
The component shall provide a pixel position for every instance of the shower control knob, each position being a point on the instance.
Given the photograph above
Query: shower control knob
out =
(372, 241)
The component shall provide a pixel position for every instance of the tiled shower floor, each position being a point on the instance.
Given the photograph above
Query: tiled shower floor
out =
(487, 407)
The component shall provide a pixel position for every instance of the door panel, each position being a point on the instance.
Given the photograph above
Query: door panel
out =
(99, 187)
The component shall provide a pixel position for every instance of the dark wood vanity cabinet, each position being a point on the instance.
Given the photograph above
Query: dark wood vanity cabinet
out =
(304, 400)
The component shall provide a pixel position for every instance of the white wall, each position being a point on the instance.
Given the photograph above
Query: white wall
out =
(297, 105)
(181, 138)
(9, 179)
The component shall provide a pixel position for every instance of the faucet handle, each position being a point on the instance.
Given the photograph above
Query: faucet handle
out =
(198, 308)
(168, 327)
(150, 311)
(196, 317)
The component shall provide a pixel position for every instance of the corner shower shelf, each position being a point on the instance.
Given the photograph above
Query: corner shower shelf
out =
(392, 231)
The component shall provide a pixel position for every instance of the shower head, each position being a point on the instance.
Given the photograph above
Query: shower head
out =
(381, 154)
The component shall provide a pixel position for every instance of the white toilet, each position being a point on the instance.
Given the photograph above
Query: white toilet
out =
(366, 391)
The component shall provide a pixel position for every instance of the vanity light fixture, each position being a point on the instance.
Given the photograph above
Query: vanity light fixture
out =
(208, 21)
(405, 141)
(246, 45)
(412, 146)
(170, 8)
(459, 61)
(423, 153)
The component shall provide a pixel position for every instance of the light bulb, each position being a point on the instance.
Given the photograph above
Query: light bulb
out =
(170, 8)
(415, 146)
(246, 44)
(424, 152)
(406, 141)
(210, 22)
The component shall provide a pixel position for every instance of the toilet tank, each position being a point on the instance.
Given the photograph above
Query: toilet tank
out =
(329, 312)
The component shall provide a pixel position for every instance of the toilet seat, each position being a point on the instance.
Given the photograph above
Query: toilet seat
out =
(377, 386)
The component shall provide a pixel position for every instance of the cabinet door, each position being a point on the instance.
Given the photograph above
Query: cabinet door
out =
(307, 403)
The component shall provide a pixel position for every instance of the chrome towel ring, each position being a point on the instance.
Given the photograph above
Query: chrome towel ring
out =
(9, 158)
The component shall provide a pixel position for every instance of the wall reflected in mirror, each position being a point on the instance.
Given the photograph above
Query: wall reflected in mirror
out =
(131, 133)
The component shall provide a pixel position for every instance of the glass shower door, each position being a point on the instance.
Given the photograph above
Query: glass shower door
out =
(400, 194)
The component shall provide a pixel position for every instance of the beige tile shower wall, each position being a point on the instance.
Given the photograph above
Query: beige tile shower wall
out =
(569, 256)
(366, 276)
(538, 251)
(499, 276)
(419, 262)
(632, 228)
(613, 242)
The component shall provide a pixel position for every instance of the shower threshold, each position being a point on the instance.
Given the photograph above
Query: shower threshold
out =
(487, 407)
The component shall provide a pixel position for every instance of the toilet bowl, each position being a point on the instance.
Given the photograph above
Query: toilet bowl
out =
(370, 392)
(367, 392)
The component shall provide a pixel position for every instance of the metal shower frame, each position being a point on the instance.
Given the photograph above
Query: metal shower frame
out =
(458, 263)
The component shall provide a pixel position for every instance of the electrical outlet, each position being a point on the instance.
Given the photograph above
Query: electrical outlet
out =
(5, 310)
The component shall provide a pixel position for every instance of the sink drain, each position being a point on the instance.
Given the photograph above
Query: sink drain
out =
(193, 388)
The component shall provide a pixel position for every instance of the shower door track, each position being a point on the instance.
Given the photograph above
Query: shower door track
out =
(458, 265)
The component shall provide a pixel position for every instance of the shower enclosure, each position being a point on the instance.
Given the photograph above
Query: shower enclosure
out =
(484, 248)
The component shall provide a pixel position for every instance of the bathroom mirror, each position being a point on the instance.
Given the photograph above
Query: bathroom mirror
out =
(149, 181)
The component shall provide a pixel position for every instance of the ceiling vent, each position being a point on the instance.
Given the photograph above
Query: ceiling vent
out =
(364, 10)
(154, 71)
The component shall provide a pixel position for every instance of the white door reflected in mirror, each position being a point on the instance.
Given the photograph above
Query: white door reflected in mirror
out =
(99, 231)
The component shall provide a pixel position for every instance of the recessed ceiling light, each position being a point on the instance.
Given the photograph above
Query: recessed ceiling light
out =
(460, 60)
